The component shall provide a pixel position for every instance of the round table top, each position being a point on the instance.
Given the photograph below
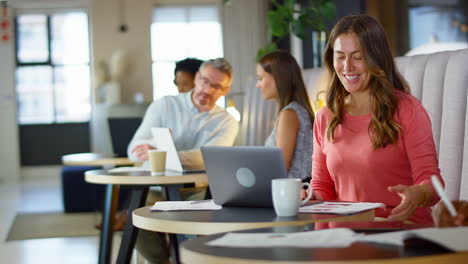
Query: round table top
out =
(196, 251)
(228, 219)
(144, 178)
(94, 159)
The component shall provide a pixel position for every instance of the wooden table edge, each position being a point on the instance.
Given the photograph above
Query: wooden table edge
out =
(188, 256)
(99, 162)
(198, 179)
(209, 228)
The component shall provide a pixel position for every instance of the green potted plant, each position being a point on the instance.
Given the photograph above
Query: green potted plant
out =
(286, 18)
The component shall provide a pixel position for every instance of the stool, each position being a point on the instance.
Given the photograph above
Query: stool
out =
(80, 196)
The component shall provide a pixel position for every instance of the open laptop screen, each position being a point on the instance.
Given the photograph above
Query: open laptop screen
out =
(241, 176)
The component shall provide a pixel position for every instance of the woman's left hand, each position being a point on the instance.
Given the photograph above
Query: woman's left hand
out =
(411, 198)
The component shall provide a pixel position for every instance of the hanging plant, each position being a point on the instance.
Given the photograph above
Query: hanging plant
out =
(286, 18)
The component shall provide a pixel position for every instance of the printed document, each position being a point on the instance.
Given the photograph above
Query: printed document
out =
(343, 208)
(186, 205)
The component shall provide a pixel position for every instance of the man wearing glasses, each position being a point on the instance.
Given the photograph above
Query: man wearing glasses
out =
(193, 118)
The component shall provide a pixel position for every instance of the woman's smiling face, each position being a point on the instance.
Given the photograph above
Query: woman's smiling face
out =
(349, 63)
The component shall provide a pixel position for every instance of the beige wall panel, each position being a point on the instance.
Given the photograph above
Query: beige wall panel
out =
(106, 38)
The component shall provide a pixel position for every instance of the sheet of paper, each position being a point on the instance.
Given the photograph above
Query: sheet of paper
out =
(454, 238)
(186, 205)
(326, 238)
(163, 140)
(338, 207)
(393, 238)
(128, 169)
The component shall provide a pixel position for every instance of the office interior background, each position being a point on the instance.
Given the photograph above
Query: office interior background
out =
(59, 58)
(56, 58)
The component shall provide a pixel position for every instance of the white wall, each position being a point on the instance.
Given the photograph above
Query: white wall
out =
(38, 4)
(9, 147)
(105, 18)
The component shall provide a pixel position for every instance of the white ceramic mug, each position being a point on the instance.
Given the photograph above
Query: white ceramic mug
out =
(286, 194)
(157, 160)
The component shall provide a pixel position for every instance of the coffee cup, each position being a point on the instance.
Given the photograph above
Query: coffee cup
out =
(157, 160)
(286, 194)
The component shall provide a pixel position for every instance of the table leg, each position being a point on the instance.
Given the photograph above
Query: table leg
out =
(108, 217)
(137, 200)
(175, 248)
(173, 194)
(208, 193)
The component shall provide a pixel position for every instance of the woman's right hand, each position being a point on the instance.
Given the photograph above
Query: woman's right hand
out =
(304, 194)
(442, 217)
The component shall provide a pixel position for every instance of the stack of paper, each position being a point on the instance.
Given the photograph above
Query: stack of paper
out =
(452, 238)
(186, 205)
(338, 207)
(129, 169)
(338, 237)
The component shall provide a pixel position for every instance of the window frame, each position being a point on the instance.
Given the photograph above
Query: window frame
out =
(187, 4)
(48, 62)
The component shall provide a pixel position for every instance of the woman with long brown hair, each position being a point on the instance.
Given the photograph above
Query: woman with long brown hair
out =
(373, 142)
(280, 79)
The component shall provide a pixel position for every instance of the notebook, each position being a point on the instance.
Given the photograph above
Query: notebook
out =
(163, 140)
(241, 176)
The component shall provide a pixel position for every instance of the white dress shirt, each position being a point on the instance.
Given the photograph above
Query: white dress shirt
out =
(190, 128)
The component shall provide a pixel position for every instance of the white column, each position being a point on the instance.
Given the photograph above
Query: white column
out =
(244, 32)
(9, 146)
(296, 43)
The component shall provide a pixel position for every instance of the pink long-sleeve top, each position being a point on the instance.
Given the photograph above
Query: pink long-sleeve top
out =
(348, 169)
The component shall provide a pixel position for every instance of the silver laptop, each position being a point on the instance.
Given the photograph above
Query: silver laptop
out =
(163, 140)
(241, 176)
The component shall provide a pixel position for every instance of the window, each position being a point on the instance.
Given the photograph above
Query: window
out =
(52, 73)
(178, 33)
(437, 26)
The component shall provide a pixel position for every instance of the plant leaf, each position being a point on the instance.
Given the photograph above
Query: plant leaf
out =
(278, 27)
(289, 4)
(299, 27)
(282, 20)
(328, 10)
(270, 47)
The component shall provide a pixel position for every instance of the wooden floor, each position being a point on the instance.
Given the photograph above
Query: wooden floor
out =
(42, 194)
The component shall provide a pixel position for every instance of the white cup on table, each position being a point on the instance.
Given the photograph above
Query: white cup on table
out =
(157, 160)
(286, 194)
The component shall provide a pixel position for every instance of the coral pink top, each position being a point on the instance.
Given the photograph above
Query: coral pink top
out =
(348, 169)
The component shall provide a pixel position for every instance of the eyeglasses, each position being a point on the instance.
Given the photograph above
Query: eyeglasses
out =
(205, 81)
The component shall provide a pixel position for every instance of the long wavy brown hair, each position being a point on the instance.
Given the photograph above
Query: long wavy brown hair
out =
(288, 79)
(383, 83)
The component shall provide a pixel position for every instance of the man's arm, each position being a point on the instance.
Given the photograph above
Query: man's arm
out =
(225, 135)
(143, 134)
